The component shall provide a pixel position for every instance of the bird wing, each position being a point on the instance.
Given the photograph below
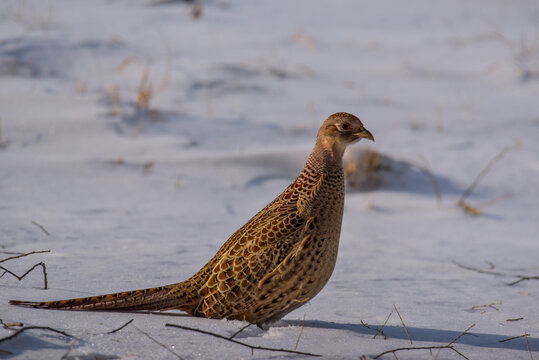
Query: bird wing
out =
(256, 250)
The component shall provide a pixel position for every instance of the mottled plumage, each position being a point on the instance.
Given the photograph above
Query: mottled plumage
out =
(276, 262)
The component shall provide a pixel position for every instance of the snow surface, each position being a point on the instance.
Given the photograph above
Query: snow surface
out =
(135, 198)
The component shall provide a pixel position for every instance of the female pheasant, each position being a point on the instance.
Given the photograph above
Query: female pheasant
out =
(276, 262)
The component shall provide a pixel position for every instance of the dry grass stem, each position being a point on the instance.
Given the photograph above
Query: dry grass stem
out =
(403, 324)
(157, 342)
(384, 324)
(121, 327)
(528, 346)
(24, 254)
(125, 62)
(301, 331)
(41, 227)
(469, 209)
(252, 347)
(145, 90)
(9, 325)
(514, 337)
(491, 305)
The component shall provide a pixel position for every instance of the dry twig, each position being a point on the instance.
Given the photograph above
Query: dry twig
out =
(41, 227)
(403, 324)
(21, 330)
(252, 347)
(447, 346)
(491, 305)
(10, 324)
(496, 273)
(373, 329)
(528, 346)
(42, 264)
(158, 343)
(239, 331)
(301, 331)
(384, 324)
(514, 337)
(462, 201)
(121, 327)
(25, 254)
(517, 319)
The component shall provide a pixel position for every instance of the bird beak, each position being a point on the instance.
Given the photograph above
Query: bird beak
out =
(364, 133)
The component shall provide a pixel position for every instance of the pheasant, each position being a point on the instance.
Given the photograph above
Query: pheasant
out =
(276, 262)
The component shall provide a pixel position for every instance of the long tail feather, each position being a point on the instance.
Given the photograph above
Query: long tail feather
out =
(145, 299)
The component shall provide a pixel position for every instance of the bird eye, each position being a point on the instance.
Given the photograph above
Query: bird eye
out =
(345, 126)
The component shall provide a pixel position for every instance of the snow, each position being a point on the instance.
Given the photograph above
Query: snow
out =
(136, 198)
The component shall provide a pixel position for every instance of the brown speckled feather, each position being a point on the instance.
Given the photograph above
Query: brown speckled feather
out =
(276, 262)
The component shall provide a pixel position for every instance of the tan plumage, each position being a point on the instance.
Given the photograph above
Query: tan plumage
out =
(276, 262)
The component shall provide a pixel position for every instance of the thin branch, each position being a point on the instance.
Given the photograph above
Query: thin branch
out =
(121, 327)
(496, 273)
(157, 342)
(384, 324)
(252, 347)
(479, 270)
(453, 341)
(239, 331)
(403, 324)
(301, 331)
(514, 337)
(42, 264)
(484, 172)
(523, 278)
(25, 254)
(461, 334)
(21, 330)
(448, 346)
(41, 227)
(393, 351)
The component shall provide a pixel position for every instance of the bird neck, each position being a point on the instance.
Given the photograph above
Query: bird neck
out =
(326, 156)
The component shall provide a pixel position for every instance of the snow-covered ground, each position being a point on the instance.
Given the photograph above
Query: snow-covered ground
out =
(140, 137)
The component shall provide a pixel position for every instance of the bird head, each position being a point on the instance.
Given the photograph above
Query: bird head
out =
(342, 129)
